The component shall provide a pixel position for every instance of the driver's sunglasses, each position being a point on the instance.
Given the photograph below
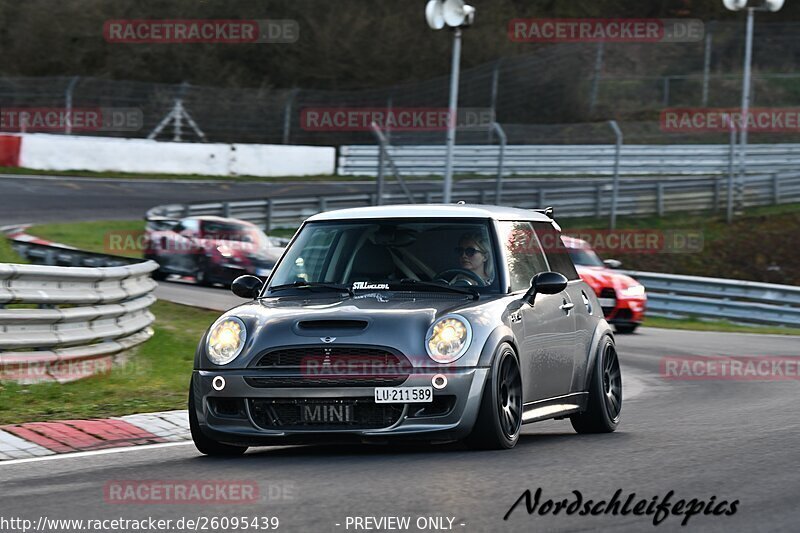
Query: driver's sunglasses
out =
(460, 250)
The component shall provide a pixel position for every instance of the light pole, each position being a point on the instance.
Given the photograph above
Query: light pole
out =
(752, 7)
(455, 14)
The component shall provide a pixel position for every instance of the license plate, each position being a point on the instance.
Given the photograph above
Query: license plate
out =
(607, 302)
(324, 413)
(403, 394)
(263, 272)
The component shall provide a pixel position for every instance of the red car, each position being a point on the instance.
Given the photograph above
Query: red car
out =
(211, 249)
(622, 298)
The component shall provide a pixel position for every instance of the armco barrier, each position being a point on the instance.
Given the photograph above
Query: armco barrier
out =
(586, 159)
(74, 319)
(677, 296)
(572, 198)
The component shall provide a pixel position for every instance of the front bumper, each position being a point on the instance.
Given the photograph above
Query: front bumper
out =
(627, 311)
(464, 390)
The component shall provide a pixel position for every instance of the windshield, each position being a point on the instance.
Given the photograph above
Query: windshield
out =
(585, 257)
(374, 255)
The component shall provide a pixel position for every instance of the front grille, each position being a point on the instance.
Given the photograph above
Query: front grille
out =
(297, 356)
(322, 413)
(311, 380)
(608, 293)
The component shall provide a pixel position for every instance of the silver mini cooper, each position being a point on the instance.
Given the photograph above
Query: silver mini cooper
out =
(433, 322)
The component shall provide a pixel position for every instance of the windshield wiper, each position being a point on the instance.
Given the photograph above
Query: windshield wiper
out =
(309, 285)
(432, 285)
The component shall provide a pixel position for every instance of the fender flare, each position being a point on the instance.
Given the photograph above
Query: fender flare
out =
(603, 329)
(501, 334)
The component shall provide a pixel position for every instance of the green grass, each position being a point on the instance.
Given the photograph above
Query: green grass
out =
(155, 377)
(696, 324)
(7, 254)
(274, 179)
(759, 245)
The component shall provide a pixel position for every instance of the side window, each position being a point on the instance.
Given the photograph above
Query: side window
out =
(557, 254)
(189, 225)
(523, 253)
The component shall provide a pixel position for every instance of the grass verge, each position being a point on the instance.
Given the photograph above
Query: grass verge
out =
(201, 177)
(7, 254)
(155, 377)
(696, 324)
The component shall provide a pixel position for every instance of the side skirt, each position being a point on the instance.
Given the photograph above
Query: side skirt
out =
(558, 407)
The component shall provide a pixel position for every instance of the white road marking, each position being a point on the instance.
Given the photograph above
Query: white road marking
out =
(77, 455)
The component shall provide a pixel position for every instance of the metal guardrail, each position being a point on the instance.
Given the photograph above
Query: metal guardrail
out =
(572, 198)
(586, 160)
(677, 296)
(58, 320)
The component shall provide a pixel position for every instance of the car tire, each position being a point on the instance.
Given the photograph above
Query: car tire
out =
(500, 414)
(605, 393)
(204, 444)
(158, 275)
(201, 273)
(625, 328)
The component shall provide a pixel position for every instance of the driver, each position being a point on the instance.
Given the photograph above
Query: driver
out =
(474, 254)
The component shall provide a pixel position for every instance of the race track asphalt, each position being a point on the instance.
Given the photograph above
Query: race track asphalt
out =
(731, 440)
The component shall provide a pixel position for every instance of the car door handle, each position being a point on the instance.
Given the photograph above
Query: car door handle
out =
(567, 306)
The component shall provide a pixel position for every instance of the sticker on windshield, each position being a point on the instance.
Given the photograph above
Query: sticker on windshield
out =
(370, 286)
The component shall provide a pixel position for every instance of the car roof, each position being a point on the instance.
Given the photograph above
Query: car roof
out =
(213, 218)
(432, 211)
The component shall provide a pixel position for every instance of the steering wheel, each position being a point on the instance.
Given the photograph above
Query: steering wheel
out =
(453, 272)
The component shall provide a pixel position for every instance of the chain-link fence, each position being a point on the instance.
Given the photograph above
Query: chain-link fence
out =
(557, 93)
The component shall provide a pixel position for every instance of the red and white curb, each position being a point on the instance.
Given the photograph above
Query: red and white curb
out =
(37, 439)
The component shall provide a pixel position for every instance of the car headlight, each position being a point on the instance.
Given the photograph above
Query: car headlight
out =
(448, 339)
(226, 340)
(633, 291)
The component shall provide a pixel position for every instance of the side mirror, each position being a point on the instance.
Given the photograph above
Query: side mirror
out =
(612, 263)
(247, 286)
(545, 283)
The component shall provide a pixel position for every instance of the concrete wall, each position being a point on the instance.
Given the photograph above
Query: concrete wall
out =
(43, 151)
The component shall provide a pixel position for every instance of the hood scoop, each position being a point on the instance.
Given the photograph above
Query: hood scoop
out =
(316, 327)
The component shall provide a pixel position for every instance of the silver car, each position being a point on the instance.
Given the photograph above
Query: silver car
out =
(433, 322)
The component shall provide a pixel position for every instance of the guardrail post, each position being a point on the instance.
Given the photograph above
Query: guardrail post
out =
(542, 198)
(500, 161)
(483, 196)
(660, 199)
(428, 197)
(599, 206)
(322, 204)
(186, 210)
(268, 214)
(776, 191)
(226, 209)
(615, 193)
(715, 200)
